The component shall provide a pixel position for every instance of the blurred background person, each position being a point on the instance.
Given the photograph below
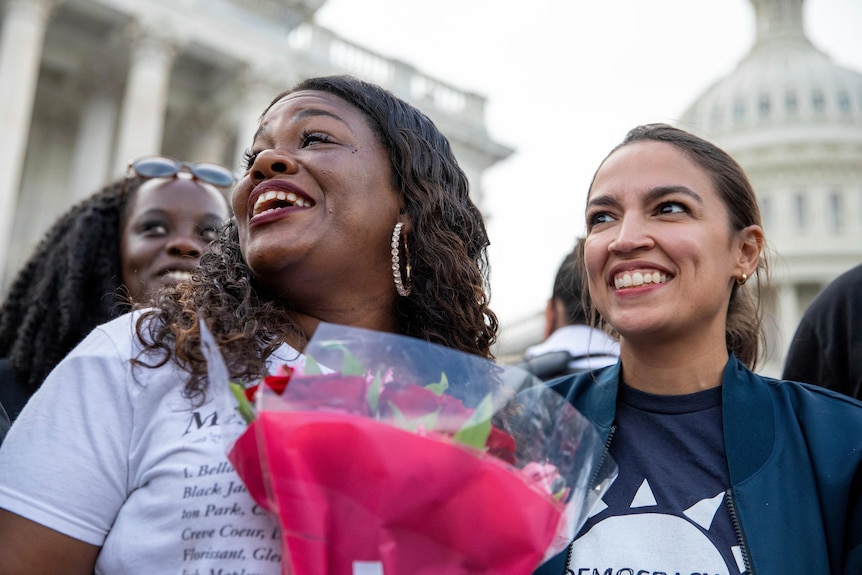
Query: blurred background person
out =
(571, 342)
(108, 252)
(826, 349)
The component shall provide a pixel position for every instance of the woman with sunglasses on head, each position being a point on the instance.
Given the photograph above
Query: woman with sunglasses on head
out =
(352, 210)
(108, 252)
(721, 470)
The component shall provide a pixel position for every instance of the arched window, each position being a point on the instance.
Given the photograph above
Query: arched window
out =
(790, 102)
(836, 212)
(817, 101)
(800, 211)
(763, 105)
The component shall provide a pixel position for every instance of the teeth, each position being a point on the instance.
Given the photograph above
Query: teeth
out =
(636, 279)
(178, 275)
(279, 196)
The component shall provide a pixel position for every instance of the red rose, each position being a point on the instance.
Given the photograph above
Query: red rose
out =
(415, 401)
(250, 391)
(502, 445)
(329, 392)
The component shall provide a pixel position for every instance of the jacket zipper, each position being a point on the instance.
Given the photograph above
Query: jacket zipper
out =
(740, 535)
(601, 464)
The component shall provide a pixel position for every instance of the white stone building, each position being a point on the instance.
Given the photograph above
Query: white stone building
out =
(87, 85)
(793, 119)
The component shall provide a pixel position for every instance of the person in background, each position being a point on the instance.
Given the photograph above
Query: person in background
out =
(721, 470)
(826, 349)
(571, 344)
(106, 253)
(352, 210)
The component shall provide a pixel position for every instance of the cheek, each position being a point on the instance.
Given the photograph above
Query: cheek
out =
(239, 199)
(130, 261)
(595, 254)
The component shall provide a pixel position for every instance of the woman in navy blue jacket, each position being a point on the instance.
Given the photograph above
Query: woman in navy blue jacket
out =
(721, 471)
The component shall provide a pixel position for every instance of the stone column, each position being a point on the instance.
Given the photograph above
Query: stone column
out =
(789, 316)
(145, 101)
(257, 94)
(91, 159)
(21, 39)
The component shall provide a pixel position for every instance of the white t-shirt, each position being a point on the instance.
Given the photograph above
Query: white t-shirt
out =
(119, 458)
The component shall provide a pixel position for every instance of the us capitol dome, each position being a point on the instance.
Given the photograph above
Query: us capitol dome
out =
(793, 119)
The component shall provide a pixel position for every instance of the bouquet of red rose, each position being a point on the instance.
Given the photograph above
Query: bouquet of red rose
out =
(388, 455)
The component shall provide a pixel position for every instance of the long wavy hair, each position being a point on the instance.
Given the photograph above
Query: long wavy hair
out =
(747, 306)
(70, 284)
(448, 252)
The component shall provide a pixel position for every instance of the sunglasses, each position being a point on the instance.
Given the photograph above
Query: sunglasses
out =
(164, 167)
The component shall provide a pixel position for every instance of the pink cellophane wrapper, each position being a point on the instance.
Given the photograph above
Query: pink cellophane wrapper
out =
(357, 494)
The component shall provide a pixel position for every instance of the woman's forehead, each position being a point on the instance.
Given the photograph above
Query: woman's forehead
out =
(305, 102)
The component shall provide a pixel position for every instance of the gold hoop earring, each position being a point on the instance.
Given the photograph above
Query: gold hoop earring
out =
(740, 281)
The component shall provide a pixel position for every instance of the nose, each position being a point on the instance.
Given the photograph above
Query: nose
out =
(270, 163)
(632, 235)
(187, 245)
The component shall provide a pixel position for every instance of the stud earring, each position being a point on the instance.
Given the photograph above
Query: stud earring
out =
(403, 287)
(741, 280)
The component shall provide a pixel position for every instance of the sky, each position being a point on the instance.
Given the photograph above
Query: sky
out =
(565, 80)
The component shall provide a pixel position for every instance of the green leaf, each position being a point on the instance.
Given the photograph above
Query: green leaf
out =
(245, 409)
(427, 421)
(311, 366)
(441, 386)
(351, 365)
(373, 394)
(476, 430)
(398, 417)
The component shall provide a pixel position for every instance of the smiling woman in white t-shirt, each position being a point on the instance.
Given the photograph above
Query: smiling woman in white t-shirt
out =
(352, 209)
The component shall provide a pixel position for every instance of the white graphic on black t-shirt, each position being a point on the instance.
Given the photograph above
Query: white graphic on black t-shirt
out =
(649, 538)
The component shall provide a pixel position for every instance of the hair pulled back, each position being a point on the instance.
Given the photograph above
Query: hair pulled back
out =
(745, 311)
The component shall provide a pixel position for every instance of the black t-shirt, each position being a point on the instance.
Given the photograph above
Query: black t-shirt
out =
(667, 512)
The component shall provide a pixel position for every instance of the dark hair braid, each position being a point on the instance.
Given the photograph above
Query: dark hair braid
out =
(70, 284)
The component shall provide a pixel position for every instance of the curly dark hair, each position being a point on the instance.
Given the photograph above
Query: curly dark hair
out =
(449, 300)
(71, 284)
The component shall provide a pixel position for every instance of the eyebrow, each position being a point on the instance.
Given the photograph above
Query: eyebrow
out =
(311, 112)
(156, 211)
(307, 113)
(651, 196)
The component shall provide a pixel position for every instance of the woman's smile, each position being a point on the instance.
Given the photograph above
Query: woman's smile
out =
(638, 278)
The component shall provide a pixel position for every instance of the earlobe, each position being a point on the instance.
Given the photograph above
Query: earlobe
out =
(407, 220)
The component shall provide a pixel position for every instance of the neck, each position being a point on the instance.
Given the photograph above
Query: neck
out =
(672, 369)
(368, 317)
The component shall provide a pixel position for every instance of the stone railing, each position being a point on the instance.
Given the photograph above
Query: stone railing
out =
(330, 51)
(288, 11)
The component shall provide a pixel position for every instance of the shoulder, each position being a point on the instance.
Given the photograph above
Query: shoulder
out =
(813, 406)
(843, 291)
(119, 334)
(111, 362)
(593, 393)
